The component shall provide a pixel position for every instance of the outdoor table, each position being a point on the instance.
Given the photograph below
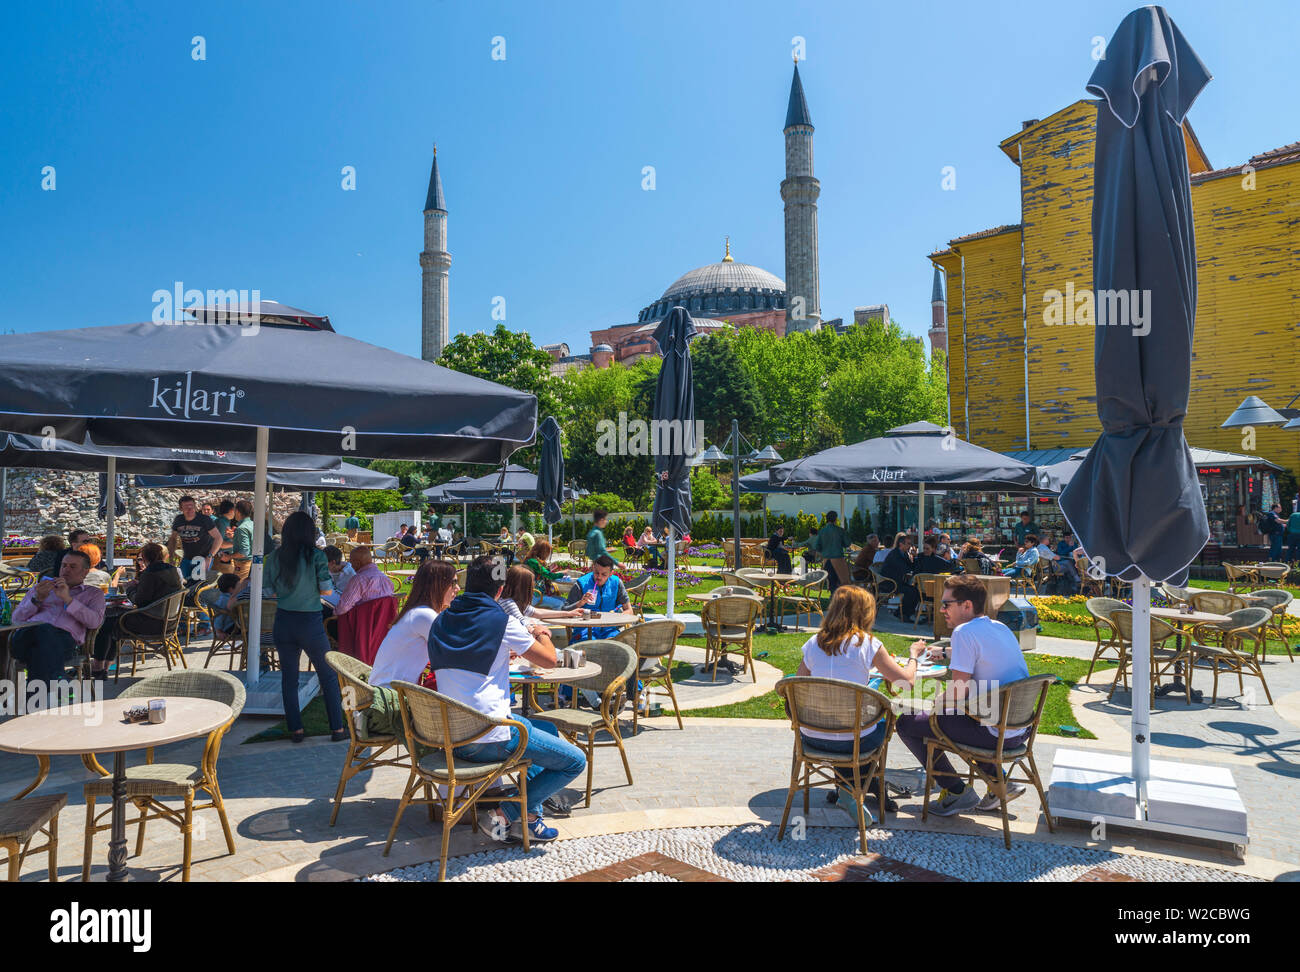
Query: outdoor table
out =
(68, 731)
(771, 582)
(550, 676)
(1174, 615)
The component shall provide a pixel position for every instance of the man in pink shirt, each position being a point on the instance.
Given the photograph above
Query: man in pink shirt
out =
(63, 609)
(369, 584)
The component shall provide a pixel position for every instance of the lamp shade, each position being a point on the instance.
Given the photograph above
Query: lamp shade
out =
(768, 454)
(713, 454)
(1253, 411)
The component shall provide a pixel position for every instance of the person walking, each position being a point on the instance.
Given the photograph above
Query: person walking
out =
(299, 574)
(831, 542)
(1273, 526)
(1293, 531)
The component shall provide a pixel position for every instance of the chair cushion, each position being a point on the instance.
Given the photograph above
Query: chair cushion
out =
(435, 764)
(1008, 752)
(151, 779)
(20, 819)
(653, 671)
(812, 752)
(574, 720)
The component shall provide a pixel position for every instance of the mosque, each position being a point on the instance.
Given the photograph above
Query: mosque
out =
(717, 294)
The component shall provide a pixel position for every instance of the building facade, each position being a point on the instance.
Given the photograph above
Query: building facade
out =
(1019, 381)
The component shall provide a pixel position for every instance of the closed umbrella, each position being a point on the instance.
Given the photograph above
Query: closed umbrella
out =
(550, 474)
(1135, 503)
(675, 408)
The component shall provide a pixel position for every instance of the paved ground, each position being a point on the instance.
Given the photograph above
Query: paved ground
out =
(714, 773)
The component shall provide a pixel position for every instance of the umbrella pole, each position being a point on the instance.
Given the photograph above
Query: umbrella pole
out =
(4, 502)
(110, 495)
(253, 642)
(514, 517)
(1142, 689)
(920, 513)
(672, 570)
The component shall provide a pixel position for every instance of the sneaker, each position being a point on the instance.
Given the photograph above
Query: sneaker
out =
(537, 831)
(845, 803)
(950, 803)
(558, 805)
(499, 828)
(991, 801)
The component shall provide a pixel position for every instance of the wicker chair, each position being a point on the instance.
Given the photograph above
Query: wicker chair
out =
(1215, 602)
(1276, 601)
(1239, 576)
(194, 608)
(729, 629)
(578, 553)
(21, 820)
(636, 593)
(729, 555)
(618, 664)
(242, 609)
(432, 721)
(1088, 584)
(754, 575)
(1270, 575)
(167, 643)
(884, 587)
(654, 643)
(1246, 625)
(1176, 595)
(365, 751)
(149, 784)
(833, 705)
(1019, 706)
(1100, 610)
(682, 558)
(926, 586)
(1163, 659)
(732, 579)
(805, 596)
(971, 565)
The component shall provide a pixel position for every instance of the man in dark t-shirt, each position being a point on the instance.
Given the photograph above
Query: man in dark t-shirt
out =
(199, 540)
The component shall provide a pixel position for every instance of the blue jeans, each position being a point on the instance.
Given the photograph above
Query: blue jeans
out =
(295, 632)
(555, 762)
(552, 602)
(1275, 546)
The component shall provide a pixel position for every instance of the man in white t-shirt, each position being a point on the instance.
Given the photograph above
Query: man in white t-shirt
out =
(985, 653)
(470, 647)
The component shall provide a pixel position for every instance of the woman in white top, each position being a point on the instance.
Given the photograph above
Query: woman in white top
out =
(846, 649)
(404, 652)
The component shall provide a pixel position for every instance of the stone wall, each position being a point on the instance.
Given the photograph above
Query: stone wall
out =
(42, 502)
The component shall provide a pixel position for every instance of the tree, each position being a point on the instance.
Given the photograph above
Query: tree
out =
(592, 396)
(883, 382)
(723, 389)
(509, 358)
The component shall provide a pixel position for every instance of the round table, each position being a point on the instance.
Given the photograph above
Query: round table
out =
(551, 676)
(772, 582)
(98, 727)
(607, 619)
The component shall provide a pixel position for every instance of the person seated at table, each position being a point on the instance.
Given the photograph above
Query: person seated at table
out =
(599, 590)
(629, 539)
(845, 649)
(775, 550)
(517, 601)
(403, 655)
(340, 573)
(411, 541)
(536, 561)
(46, 555)
(469, 649)
(1066, 562)
(898, 567)
(60, 611)
(368, 582)
(445, 536)
(810, 552)
(1025, 559)
(883, 552)
(401, 532)
(929, 561)
(651, 546)
(523, 543)
(225, 521)
(219, 600)
(156, 581)
(984, 654)
(865, 558)
(504, 538)
(945, 549)
(76, 538)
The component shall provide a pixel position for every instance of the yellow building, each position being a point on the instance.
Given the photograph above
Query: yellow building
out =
(1017, 382)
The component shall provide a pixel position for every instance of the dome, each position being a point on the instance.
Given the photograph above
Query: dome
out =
(721, 289)
(721, 276)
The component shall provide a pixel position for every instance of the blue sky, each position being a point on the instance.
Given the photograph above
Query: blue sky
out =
(227, 172)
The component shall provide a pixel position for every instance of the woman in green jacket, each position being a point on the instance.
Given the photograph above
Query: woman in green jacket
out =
(536, 562)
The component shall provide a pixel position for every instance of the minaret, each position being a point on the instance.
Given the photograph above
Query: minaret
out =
(435, 264)
(800, 191)
(938, 316)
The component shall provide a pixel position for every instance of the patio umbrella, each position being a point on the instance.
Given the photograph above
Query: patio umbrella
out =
(550, 475)
(342, 475)
(906, 459)
(283, 387)
(1135, 503)
(675, 406)
(1056, 476)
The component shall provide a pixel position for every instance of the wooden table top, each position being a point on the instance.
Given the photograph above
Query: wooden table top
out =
(98, 727)
(556, 676)
(607, 619)
(767, 580)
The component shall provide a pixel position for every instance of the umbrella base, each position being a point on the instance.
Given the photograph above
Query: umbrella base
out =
(1183, 799)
